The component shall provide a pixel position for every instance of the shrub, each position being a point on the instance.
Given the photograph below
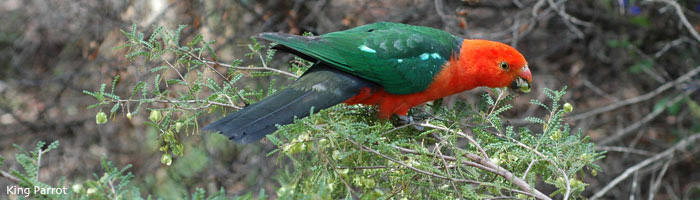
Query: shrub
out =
(466, 151)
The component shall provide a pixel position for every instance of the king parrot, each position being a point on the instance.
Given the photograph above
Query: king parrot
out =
(391, 65)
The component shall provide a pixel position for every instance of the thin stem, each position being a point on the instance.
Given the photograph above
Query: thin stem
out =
(668, 152)
(681, 16)
(9, 176)
(208, 103)
(255, 68)
(640, 98)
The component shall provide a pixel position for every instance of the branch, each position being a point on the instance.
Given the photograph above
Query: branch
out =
(206, 62)
(9, 176)
(566, 177)
(679, 12)
(365, 148)
(487, 165)
(254, 68)
(173, 67)
(621, 133)
(447, 170)
(471, 140)
(638, 99)
(569, 20)
(209, 103)
(38, 162)
(497, 169)
(362, 167)
(623, 149)
(682, 144)
(653, 187)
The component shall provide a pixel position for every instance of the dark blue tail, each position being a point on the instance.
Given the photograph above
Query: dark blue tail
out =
(320, 87)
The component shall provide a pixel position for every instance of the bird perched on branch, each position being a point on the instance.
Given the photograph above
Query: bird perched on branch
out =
(393, 66)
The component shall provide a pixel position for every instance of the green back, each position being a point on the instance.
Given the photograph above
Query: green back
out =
(402, 58)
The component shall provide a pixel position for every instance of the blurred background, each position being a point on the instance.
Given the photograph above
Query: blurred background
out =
(630, 65)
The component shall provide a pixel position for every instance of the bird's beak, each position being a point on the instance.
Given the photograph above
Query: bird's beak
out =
(523, 80)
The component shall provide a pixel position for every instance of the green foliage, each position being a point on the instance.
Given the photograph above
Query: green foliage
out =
(182, 88)
(30, 162)
(466, 151)
(641, 65)
(642, 21)
(339, 153)
(115, 183)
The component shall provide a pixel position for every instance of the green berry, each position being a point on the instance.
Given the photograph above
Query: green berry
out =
(155, 116)
(77, 188)
(568, 107)
(101, 118)
(556, 136)
(525, 89)
(166, 159)
(178, 126)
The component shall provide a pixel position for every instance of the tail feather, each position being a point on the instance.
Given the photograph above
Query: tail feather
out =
(320, 87)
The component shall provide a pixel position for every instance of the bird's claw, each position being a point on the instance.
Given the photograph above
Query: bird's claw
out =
(404, 120)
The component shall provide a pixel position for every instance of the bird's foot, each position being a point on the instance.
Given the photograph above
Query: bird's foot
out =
(404, 120)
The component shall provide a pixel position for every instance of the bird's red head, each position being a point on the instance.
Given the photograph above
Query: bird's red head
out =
(494, 64)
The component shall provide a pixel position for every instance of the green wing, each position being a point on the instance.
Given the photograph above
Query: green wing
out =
(403, 59)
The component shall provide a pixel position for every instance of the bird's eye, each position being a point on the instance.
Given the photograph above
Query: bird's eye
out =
(504, 66)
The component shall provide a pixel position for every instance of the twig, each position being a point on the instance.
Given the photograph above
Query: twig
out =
(492, 168)
(657, 76)
(471, 140)
(206, 62)
(450, 158)
(111, 186)
(681, 15)
(621, 133)
(597, 90)
(529, 166)
(682, 144)
(565, 176)
(487, 165)
(174, 68)
(397, 128)
(38, 163)
(439, 10)
(363, 167)
(335, 170)
(537, 7)
(569, 20)
(567, 181)
(495, 104)
(635, 182)
(447, 170)
(518, 4)
(498, 170)
(209, 103)
(563, 173)
(254, 68)
(655, 184)
(365, 148)
(623, 149)
(566, 15)
(403, 186)
(638, 99)
(9, 176)
(668, 46)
